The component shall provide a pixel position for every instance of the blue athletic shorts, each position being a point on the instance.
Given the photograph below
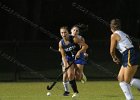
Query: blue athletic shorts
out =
(129, 57)
(81, 60)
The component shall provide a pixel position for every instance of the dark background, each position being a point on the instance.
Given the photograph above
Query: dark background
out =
(30, 45)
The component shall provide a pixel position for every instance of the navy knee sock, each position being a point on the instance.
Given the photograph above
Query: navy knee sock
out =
(74, 86)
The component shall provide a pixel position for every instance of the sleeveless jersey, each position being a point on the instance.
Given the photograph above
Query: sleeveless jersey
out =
(71, 49)
(124, 43)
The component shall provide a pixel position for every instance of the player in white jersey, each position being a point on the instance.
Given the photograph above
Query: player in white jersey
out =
(122, 42)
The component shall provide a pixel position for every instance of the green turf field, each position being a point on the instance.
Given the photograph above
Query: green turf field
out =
(94, 90)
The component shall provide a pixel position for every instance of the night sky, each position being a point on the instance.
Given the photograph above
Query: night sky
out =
(52, 14)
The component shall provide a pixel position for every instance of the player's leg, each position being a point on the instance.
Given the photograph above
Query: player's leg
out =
(130, 61)
(73, 84)
(81, 73)
(133, 65)
(129, 73)
(71, 77)
(77, 73)
(72, 81)
(135, 82)
(124, 85)
(81, 62)
(65, 82)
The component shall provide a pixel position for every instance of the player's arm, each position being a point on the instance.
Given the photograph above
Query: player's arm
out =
(61, 50)
(82, 39)
(113, 44)
(85, 53)
(83, 45)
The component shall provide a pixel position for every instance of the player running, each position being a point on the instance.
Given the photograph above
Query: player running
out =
(75, 33)
(122, 42)
(78, 71)
(70, 50)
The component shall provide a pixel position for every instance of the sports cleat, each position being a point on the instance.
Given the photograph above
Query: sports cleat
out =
(74, 96)
(84, 79)
(66, 93)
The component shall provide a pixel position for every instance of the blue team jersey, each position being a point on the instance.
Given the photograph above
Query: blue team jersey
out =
(71, 49)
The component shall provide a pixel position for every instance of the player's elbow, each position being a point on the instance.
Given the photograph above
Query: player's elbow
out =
(86, 46)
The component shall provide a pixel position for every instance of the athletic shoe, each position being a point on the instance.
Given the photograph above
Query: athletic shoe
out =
(84, 79)
(74, 96)
(66, 93)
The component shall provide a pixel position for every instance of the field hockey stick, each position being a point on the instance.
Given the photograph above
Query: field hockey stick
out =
(54, 50)
(59, 76)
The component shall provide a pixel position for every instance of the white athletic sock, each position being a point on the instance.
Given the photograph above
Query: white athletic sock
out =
(135, 82)
(66, 87)
(126, 90)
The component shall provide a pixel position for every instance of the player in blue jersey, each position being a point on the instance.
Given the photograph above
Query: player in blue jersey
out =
(79, 74)
(70, 50)
(122, 42)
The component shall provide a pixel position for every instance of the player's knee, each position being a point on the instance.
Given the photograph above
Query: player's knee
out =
(78, 77)
(71, 76)
(127, 80)
(120, 78)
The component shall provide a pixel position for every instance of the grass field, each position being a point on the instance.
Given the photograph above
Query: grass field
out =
(93, 90)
